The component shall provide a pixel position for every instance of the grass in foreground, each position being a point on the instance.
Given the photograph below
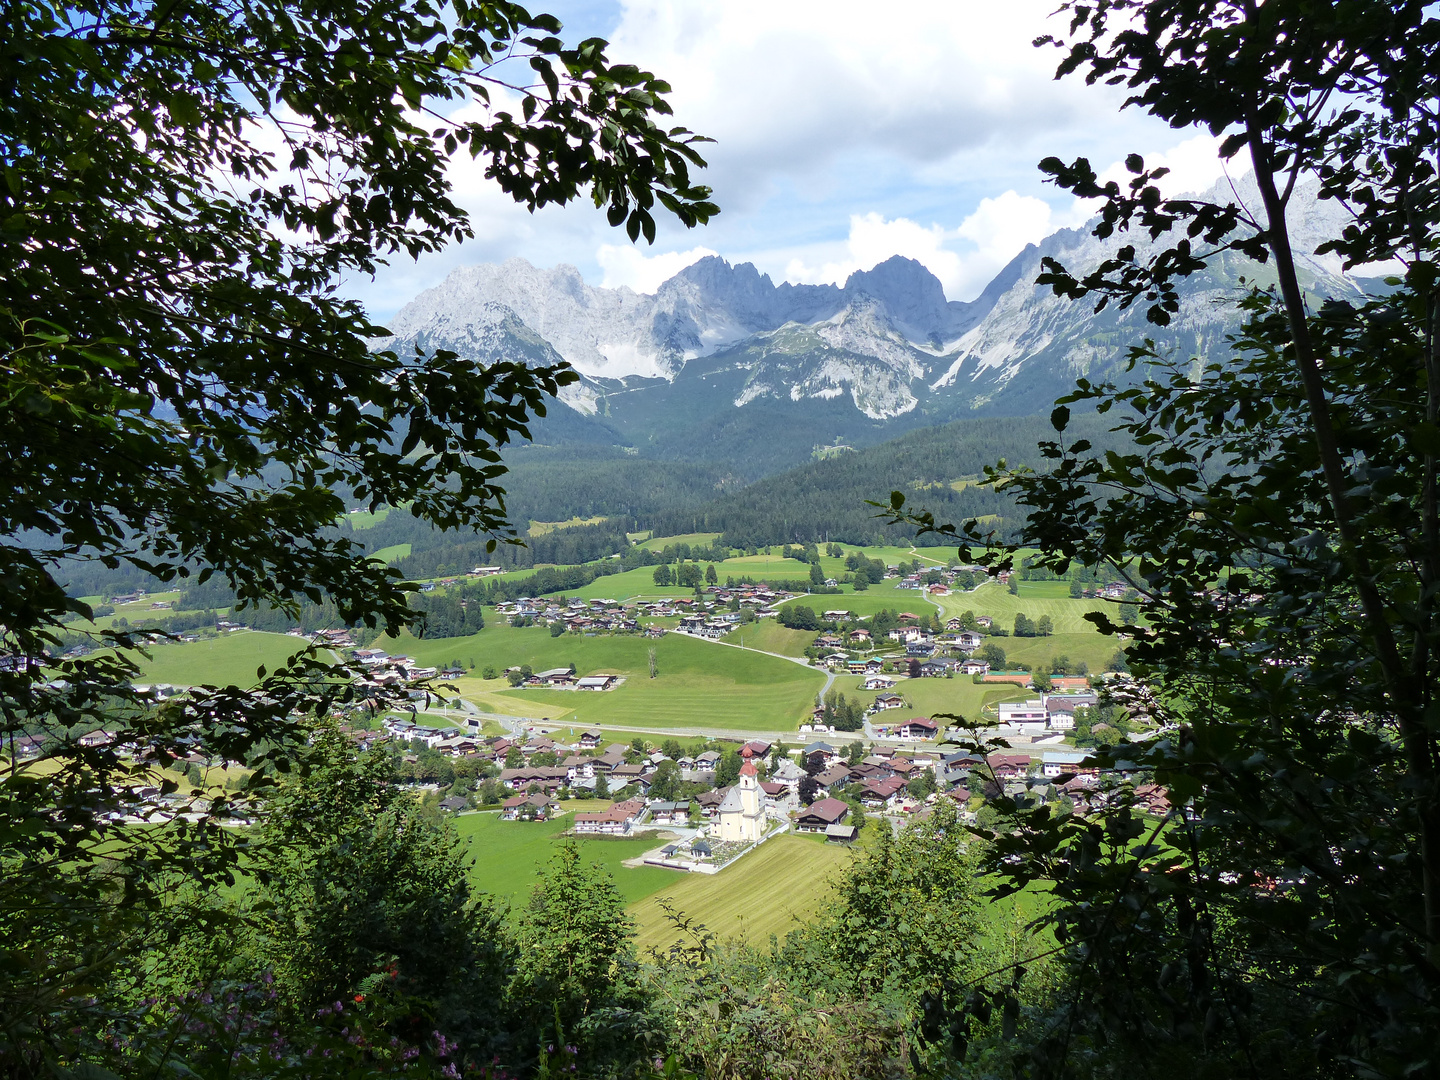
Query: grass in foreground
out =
(510, 854)
(769, 891)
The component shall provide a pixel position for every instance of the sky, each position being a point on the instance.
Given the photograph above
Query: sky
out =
(845, 133)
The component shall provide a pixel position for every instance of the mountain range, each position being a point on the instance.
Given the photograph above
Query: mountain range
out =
(720, 364)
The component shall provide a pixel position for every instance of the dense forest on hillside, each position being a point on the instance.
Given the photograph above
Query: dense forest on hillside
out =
(826, 500)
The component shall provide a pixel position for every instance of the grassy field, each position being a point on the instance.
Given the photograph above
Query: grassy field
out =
(700, 684)
(392, 553)
(221, 661)
(768, 635)
(509, 855)
(656, 543)
(766, 892)
(1073, 637)
(876, 598)
(632, 584)
(930, 696)
(540, 528)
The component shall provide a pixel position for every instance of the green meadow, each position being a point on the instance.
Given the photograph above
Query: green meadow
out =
(656, 543)
(230, 660)
(699, 683)
(768, 635)
(393, 553)
(509, 855)
(926, 697)
(773, 889)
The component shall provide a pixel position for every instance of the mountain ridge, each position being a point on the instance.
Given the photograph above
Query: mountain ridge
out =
(687, 371)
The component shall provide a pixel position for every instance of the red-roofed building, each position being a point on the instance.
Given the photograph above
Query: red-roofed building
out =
(821, 815)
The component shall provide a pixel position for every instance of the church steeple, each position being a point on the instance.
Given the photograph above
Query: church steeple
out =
(748, 768)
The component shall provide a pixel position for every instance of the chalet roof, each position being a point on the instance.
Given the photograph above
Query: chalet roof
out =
(828, 811)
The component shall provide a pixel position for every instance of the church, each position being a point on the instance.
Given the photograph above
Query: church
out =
(742, 813)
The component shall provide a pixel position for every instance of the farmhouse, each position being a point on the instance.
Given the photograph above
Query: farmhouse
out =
(598, 682)
(878, 793)
(617, 820)
(669, 813)
(974, 667)
(878, 682)
(841, 834)
(525, 807)
(1009, 766)
(833, 777)
(589, 740)
(821, 815)
(889, 701)
(918, 728)
(1055, 763)
(556, 677)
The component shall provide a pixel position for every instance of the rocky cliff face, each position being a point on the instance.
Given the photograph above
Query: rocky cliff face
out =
(887, 345)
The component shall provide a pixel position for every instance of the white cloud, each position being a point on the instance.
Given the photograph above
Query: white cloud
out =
(629, 266)
(1194, 166)
(842, 138)
(964, 258)
(787, 88)
(872, 240)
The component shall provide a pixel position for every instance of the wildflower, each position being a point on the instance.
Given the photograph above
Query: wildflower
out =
(359, 997)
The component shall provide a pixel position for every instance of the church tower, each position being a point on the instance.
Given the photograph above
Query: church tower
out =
(742, 813)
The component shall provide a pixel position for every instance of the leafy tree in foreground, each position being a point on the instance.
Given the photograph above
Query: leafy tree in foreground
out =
(188, 394)
(1280, 524)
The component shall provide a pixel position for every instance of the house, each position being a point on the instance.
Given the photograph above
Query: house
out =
(822, 748)
(1055, 763)
(833, 777)
(889, 701)
(1019, 713)
(1009, 766)
(758, 748)
(773, 794)
(670, 813)
(554, 677)
(919, 648)
(708, 760)
(525, 808)
(918, 728)
(841, 834)
(968, 641)
(709, 802)
(616, 821)
(1060, 708)
(598, 682)
(934, 669)
(821, 815)
(611, 759)
(621, 775)
(878, 682)
(453, 804)
(882, 793)
(548, 778)
(974, 667)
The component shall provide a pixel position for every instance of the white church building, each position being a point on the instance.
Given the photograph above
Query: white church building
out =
(742, 813)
